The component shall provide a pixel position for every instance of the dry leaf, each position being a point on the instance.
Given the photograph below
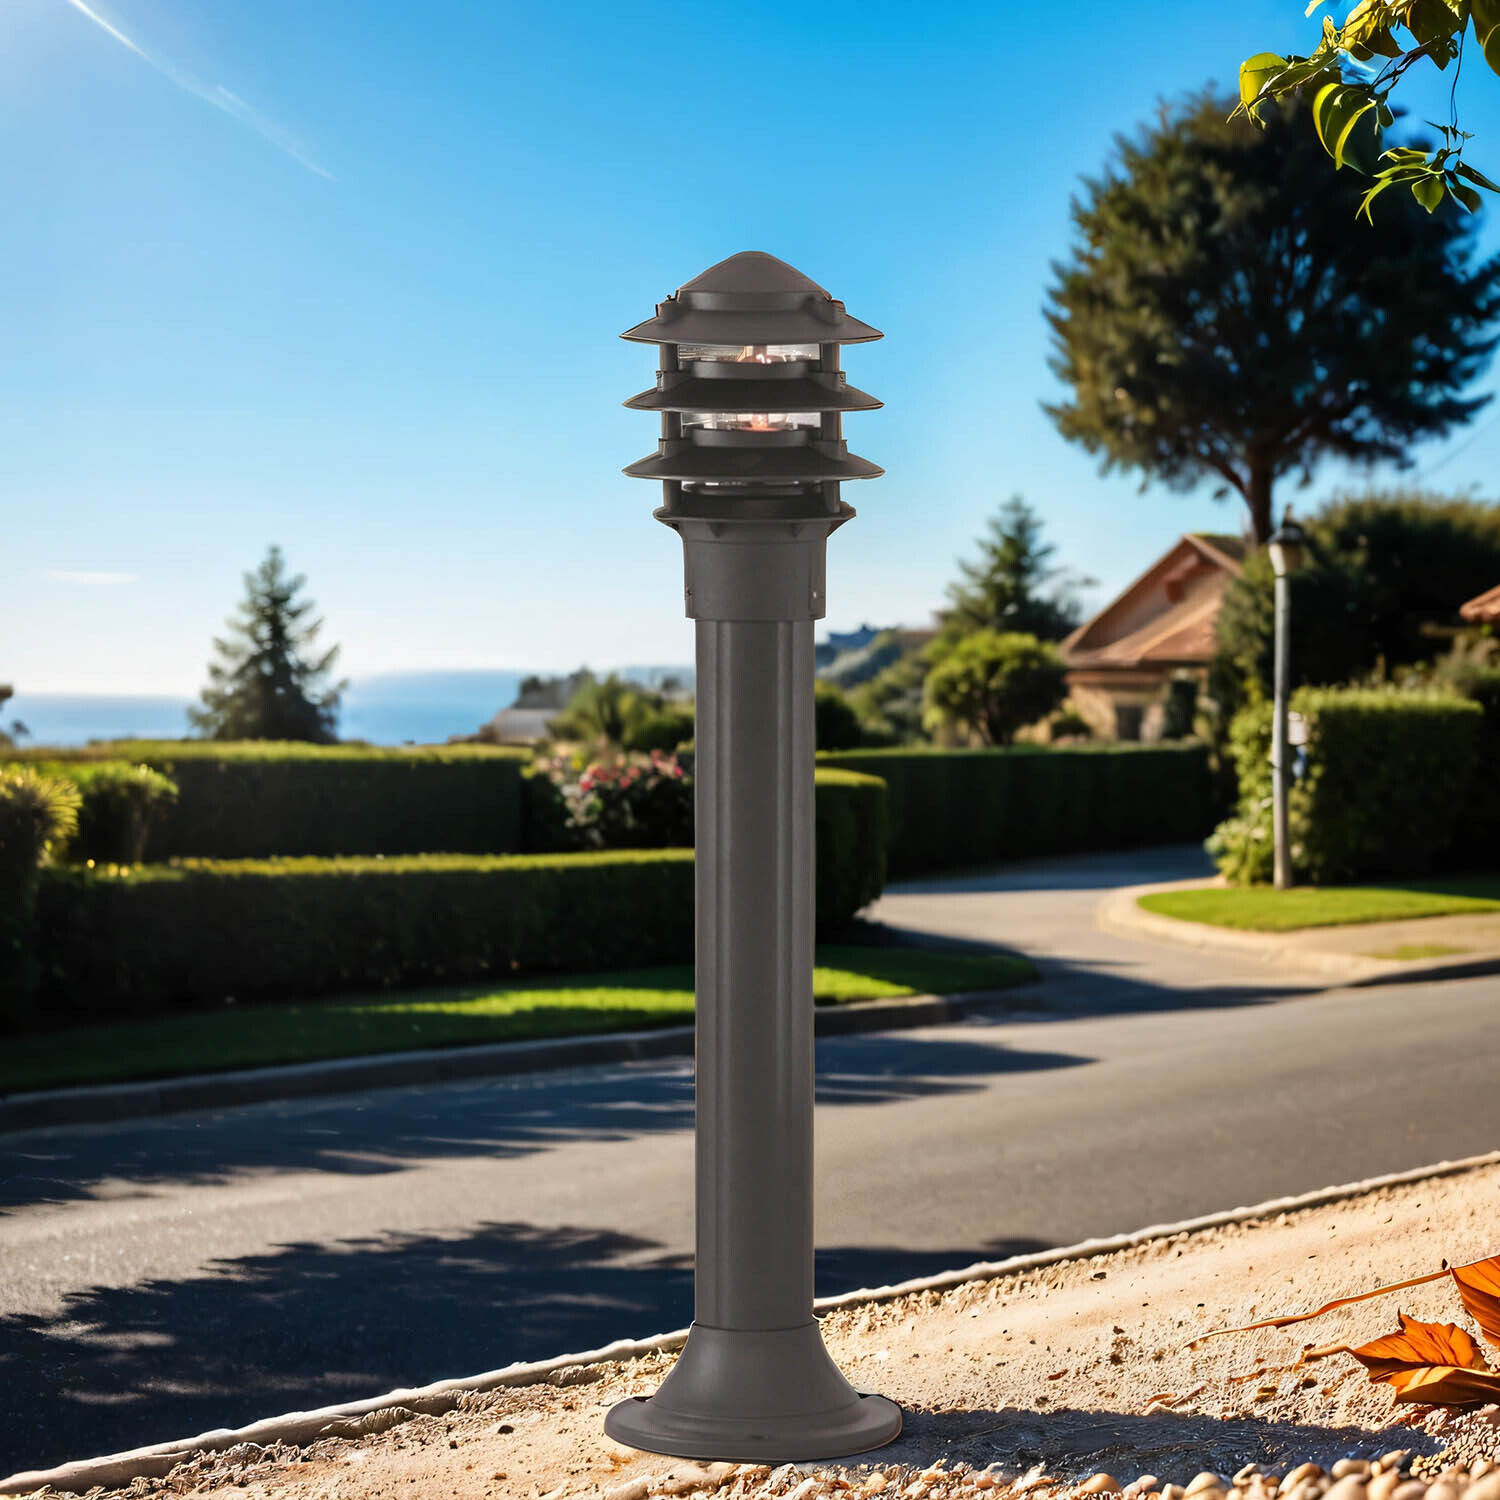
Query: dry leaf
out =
(1479, 1288)
(1434, 1363)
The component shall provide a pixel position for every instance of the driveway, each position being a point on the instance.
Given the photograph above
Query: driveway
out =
(161, 1277)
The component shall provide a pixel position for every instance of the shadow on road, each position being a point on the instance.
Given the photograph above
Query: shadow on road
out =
(389, 1130)
(312, 1324)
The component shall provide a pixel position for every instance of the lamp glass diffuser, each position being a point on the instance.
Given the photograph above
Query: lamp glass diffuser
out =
(752, 354)
(751, 421)
(1285, 548)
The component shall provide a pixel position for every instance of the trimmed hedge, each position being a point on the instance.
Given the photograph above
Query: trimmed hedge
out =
(203, 933)
(128, 940)
(260, 799)
(1387, 777)
(851, 815)
(950, 808)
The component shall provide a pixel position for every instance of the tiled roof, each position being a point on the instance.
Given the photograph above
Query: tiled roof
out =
(1182, 634)
(1483, 609)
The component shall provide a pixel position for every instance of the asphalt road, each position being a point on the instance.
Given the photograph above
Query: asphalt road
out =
(160, 1278)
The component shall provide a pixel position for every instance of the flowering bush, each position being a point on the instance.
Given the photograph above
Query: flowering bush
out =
(615, 800)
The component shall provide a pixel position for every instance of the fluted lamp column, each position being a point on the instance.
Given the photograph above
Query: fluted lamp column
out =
(751, 458)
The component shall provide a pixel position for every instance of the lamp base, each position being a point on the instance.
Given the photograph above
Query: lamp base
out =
(755, 1396)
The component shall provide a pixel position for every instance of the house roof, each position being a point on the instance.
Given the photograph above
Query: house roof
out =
(1166, 617)
(1483, 608)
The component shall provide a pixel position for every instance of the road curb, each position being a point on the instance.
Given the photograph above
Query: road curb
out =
(300, 1427)
(108, 1103)
(1118, 912)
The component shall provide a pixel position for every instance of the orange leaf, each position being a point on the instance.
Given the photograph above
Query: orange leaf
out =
(1435, 1363)
(1479, 1287)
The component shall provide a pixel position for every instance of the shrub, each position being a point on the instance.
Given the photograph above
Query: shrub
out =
(661, 729)
(990, 684)
(260, 798)
(614, 801)
(836, 725)
(950, 808)
(850, 814)
(201, 932)
(37, 814)
(1386, 776)
(593, 808)
(119, 804)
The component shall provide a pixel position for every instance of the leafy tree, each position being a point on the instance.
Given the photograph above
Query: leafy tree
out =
(990, 684)
(271, 679)
(1220, 318)
(1348, 91)
(621, 712)
(889, 705)
(1380, 590)
(1013, 585)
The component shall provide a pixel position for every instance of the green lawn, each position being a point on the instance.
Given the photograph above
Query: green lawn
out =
(356, 1025)
(1262, 909)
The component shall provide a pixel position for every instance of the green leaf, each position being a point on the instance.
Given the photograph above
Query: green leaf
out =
(1434, 25)
(1429, 192)
(1486, 14)
(1344, 114)
(1255, 73)
(1472, 174)
(1465, 195)
(1364, 203)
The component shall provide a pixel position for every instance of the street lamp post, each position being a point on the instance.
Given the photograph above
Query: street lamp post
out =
(1285, 547)
(751, 457)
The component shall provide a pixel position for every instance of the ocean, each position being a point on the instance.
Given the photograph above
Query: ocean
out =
(391, 708)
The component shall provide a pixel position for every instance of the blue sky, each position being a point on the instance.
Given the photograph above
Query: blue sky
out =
(347, 275)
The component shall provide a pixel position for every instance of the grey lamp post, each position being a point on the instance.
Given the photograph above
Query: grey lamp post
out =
(750, 458)
(1285, 547)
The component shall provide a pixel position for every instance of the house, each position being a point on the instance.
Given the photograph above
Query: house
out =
(1159, 630)
(1484, 609)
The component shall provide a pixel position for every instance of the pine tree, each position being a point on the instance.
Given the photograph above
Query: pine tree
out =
(1013, 585)
(269, 682)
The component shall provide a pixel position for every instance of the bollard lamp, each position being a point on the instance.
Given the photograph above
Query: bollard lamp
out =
(750, 459)
(1286, 546)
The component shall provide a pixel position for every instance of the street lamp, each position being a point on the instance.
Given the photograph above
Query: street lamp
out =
(1286, 548)
(751, 457)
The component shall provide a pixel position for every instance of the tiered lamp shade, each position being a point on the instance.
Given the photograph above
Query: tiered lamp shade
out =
(749, 389)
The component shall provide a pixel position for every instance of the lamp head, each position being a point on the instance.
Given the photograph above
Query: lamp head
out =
(1287, 546)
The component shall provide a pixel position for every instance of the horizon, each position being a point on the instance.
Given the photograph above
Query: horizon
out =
(352, 281)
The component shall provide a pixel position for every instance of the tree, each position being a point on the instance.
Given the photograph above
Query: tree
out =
(1220, 317)
(270, 682)
(16, 730)
(990, 684)
(1012, 585)
(1349, 92)
(1380, 591)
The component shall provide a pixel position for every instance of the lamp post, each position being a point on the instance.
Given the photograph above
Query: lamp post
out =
(751, 457)
(1285, 547)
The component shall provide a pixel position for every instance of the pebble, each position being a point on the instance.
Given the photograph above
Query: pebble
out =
(1207, 1480)
(1100, 1484)
(1297, 1475)
(1349, 1487)
(1358, 1467)
(1410, 1489)
(1383, 1485)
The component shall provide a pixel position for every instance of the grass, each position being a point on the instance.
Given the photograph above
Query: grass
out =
(1262, 909)
(360, 1025)
(1407, 952)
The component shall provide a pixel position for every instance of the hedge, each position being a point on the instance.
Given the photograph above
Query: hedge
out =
(130, 940)
(124, 940)
(1387, 777)
(256, 799)
(950, 808)
(851, 815)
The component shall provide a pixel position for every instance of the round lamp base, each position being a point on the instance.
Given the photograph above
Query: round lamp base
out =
(755, 1397)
